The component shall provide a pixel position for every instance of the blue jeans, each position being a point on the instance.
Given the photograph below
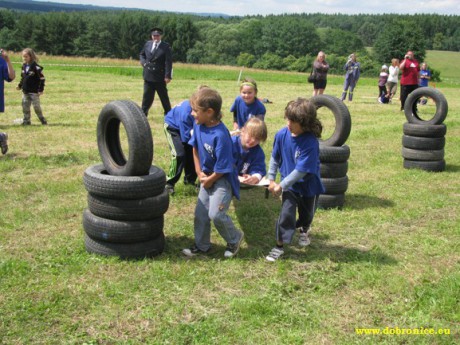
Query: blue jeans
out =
(212, 205)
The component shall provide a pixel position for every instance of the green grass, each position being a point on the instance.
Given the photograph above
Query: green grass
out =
(388, 259)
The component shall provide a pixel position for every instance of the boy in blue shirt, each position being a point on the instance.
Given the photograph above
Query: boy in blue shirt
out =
(296, 155)
(215, 168)
(178, 127)
(247, 105)
(250, 158)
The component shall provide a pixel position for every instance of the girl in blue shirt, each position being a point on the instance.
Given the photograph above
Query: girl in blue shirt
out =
(215, 167)
(296, 155)
(246, 105)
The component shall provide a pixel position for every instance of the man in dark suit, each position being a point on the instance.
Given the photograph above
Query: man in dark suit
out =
(156, 58)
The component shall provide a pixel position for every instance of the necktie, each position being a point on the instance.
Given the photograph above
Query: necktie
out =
(155, 45)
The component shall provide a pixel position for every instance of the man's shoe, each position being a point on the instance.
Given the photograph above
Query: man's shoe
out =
(304, 238)
(4, 142)
(275, 254)
(169, 188)
(193, 251)
(232, 249)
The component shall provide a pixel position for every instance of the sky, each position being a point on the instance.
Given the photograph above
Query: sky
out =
(265, 7)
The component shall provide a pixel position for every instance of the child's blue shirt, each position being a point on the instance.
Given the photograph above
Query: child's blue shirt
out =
(245, 111)
(251, 161)
(180, 118)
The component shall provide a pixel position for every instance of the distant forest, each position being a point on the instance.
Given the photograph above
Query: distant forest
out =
(282, 42)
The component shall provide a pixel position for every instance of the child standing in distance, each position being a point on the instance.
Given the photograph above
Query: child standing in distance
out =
(32, 84)
(296, 155)
(178, 127)
(383, 77)
(247, 105)
(215, 167)
(250, 160)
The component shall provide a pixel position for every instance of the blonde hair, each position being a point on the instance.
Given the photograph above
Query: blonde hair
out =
(249, 82)
(320, 53)
(394, 60)
(207, 98)
(303, 112)
(31, 53)
(256, 128)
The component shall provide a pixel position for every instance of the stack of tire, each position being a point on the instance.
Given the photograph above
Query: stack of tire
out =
(423, 140)
(334, 154)
(126, 196)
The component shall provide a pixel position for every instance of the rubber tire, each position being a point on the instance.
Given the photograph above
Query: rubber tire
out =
(98, 182)
(139, 136)
(422, 155)
(136, 209)
(335, 186)
(441, 106)
(435, 166)
(327, 201)
(138, 250)
(426, 131)
(342, 119)
(334, 154)
(422, 143)
(115, 231)
(333, 170)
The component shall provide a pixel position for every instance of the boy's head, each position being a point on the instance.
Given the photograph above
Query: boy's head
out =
(253, 133)
(207, 105)
(301, 113)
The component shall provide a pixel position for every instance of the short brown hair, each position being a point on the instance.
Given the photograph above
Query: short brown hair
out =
(256, 128)
(206, 98)
(303, 112)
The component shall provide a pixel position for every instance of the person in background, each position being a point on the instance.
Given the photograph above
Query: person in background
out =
(409, 78)
(250, 161)
(392, 82)
(247, 105)
(296, 155)
(32, 85)
(320, 68)
(353, 69)
(215, 167)
(156, 59)
(383, 77)
(8, 74)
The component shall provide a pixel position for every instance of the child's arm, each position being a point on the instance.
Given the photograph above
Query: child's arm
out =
(196, 162)
(208, 181)
(292, 178)
(41, 85)
(235, 121)
(273, 187)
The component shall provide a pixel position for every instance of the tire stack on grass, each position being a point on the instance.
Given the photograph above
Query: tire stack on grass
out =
(334, 154)
(423, 140)
(126, 196)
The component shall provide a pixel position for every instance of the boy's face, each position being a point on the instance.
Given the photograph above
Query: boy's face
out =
(248, 141)
(294, 128)
(202, 116)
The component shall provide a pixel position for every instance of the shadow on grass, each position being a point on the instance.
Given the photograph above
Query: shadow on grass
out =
(361, 202)
(453, 168)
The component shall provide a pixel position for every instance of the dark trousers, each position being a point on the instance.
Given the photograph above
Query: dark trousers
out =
(181, 158)
(287, 221)
(149, 95)
(405, 91)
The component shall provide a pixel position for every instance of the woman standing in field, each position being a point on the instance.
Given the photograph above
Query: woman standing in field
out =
(320, 68)
(392, 82)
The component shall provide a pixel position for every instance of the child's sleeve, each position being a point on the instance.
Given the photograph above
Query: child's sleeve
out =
(41, 84)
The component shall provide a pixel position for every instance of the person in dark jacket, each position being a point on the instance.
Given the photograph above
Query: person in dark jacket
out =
(32, 85)
(156, 59)
(6, 74)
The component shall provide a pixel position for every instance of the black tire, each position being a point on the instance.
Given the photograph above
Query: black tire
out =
(422, 155)
(136, 209)
(421, 143)
(335, 186)
(98, 182)
(434, 166)
(334, 154)
(425, 130)
(139, 136)
(439, 99)
(326, 201)
(333, 170)
(138, 250)
(342, 119)
(116, 231)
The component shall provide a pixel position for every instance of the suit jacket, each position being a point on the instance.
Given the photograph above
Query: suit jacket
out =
(157, 65)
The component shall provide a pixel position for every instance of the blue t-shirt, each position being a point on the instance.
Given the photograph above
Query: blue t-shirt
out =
(245, 111)
(300, 153)
(251, 161)
(423, 81)
(180, 118)
(215, 149)
(3, 76)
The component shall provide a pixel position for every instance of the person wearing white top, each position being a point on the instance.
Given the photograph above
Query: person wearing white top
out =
(392, 82)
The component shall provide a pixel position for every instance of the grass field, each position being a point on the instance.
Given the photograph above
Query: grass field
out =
(389, 258)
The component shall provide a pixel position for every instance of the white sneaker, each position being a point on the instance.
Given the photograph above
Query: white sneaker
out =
(274, 254)
(304, 238)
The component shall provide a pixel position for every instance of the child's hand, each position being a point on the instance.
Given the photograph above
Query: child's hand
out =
(277, 190)
(248, 179)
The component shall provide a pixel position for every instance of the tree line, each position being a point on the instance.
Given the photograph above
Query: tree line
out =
(282, 42)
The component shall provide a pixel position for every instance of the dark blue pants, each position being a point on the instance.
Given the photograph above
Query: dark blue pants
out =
(149, 95)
